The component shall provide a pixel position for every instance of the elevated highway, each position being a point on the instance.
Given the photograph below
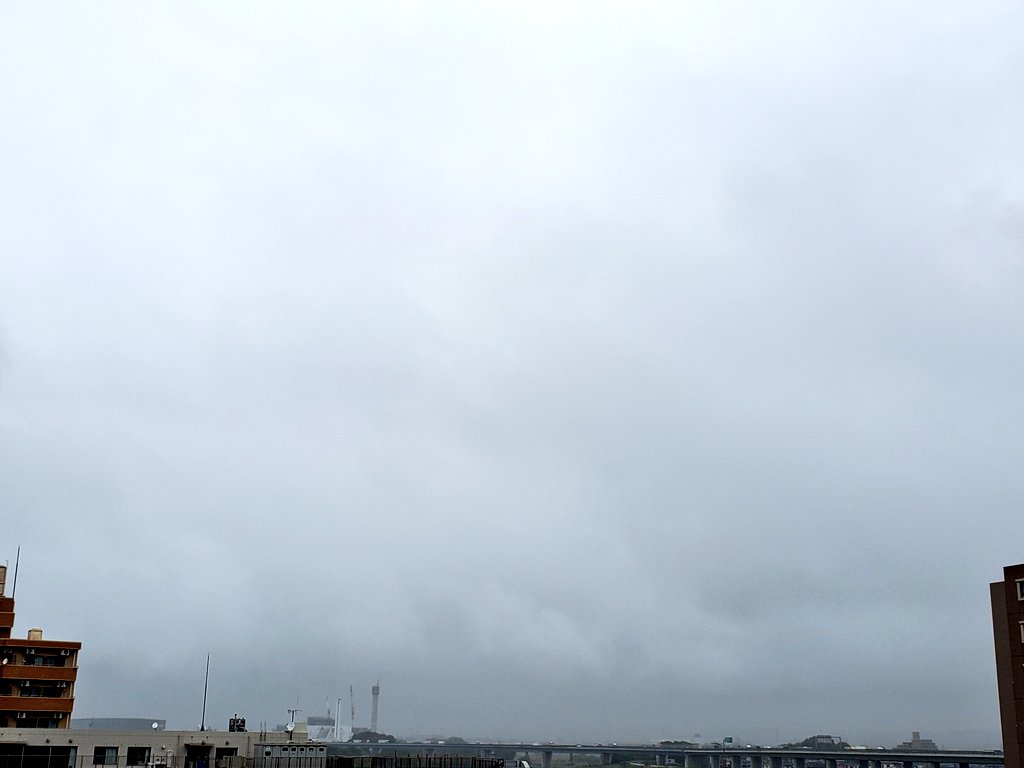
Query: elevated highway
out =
(735, 756)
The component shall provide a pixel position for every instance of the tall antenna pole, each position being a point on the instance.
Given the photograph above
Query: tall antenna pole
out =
(352, 698)
(17, 560)
(206, 688)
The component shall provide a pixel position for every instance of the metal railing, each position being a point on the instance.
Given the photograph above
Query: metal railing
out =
(64, 758)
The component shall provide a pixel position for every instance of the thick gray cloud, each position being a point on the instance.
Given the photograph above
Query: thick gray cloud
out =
(582, 372)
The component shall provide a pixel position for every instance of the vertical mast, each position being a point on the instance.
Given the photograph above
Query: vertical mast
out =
(17, 561)
(206, 688)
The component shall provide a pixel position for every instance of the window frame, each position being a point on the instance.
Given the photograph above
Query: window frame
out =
(101, 755)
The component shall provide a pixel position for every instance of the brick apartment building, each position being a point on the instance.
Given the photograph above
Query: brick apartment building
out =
(37, 676)
(1008, 630)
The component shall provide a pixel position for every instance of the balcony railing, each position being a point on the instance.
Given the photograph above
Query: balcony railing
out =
(37, 672)
(36, 704)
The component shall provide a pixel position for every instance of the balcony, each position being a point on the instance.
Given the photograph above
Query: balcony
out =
(35, 704)
(37, 672)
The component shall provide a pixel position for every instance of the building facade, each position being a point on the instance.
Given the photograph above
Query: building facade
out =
(90, 747)
(119, 723)
(37, 676)
(1008, 632)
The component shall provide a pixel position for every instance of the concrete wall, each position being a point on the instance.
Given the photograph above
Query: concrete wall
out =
(166, 747)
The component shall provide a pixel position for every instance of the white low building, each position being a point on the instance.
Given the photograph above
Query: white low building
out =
(85, 748)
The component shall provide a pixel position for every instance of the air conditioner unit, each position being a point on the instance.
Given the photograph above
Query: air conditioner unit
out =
(65, 652)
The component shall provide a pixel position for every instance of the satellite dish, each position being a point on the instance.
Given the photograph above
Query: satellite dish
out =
(4, 661)
(156, 726)
(290, 727)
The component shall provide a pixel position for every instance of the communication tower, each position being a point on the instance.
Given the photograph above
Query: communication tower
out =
(373, 710)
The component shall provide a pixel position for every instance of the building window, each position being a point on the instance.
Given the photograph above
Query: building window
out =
(137, 756)
(1020, 589)
(104, 756)
(1022, 631)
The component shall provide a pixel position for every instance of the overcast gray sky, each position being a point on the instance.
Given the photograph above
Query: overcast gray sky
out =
(583, 370)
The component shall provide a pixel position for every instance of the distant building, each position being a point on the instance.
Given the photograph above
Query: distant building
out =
(823, 741)
(1008, 632)
(917, 743)
(119, 723)
(320, 728)
(37, 676)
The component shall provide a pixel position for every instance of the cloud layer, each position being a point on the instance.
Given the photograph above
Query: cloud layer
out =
(582, 372)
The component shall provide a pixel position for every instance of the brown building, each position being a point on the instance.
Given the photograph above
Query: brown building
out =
(1008, 629)
(37, 676)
